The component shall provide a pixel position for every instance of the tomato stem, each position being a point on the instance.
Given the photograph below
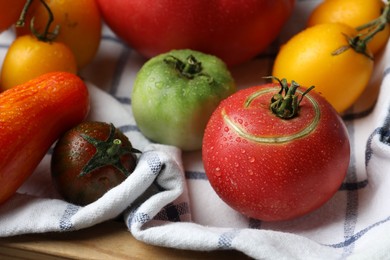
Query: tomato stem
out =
(286, 105)
(108, 152)
(360, 41)
(46, 36)
(189, 68)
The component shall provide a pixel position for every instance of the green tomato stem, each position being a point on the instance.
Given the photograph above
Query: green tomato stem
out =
(108, 152)
(359, 42)
(189, 68)
(286, 106)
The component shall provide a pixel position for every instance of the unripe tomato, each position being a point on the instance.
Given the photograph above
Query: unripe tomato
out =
(272, 168)
(175, 93)
(308, 57)
(80, 26)
(28, 58)
(353, 13)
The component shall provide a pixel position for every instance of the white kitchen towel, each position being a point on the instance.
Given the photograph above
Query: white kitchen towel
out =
(168, 200)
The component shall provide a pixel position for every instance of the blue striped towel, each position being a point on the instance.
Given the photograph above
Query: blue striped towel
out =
(168, 200)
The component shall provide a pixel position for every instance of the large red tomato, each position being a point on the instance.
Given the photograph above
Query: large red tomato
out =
(271, 168)
(234, 30)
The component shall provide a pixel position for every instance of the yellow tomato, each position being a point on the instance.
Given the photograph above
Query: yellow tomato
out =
(28, 58)
(80, 26)
(307, 58)
(353, 13)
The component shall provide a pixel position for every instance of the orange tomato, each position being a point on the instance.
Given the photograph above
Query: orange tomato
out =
(27, 58)
(307, 58)
(80, 26)
(353, 13)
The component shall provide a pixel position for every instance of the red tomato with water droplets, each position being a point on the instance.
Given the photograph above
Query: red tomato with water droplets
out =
(271, 168)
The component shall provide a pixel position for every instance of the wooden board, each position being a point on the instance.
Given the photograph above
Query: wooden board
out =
(109, 240)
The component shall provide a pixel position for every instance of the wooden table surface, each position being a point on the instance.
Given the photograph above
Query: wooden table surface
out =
(109, 240)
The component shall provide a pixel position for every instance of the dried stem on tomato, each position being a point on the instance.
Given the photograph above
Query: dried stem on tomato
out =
(46, 35)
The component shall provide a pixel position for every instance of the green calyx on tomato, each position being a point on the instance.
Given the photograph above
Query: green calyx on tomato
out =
(108, 152)
(175, 93)
(287, 106)
(359, 42)
(283, 106)
(189, 68)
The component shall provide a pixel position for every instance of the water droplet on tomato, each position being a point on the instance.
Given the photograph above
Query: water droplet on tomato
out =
(226, 129)
(240, 121)
(238, 139)
(243, 151)
(217, 172)
(252, 159)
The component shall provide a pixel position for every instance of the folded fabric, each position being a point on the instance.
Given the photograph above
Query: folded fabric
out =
(168, 201)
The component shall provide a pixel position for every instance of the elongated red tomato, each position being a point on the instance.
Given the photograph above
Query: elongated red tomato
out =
(32, 116)
(271, 168)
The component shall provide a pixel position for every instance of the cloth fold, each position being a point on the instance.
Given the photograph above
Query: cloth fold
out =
(168, 201)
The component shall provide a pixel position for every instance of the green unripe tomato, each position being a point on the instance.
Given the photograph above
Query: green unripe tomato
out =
(175, 93)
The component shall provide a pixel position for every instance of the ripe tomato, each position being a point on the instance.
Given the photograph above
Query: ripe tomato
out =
(353, 13)
(307, 58)
(90, 159)
(80, 26)
(175, 93)
(10, 12)
(233, 30)
(32, 116)
(27, 58)
(271, 168)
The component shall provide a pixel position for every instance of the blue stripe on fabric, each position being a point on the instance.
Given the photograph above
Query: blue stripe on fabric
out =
(354, 185)
(225, 240)
(138, 217)
(194, 175)
(153, 162)
(65, 221)
(124, 100)
(358, 235)
(351, 214)
(173, 212)
(128, 128)
(119, 70)
(113, 39)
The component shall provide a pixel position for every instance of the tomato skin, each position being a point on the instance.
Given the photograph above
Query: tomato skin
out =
(307, 58)
(271, 180)
(32, 116)
(28, 58)
(353, 13)
(173, 109)
(154, 27)
(10, 12)
(80, 26)
(72, 152)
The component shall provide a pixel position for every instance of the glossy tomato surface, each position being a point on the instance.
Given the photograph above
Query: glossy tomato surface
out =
(309, 58)
(270, 168)
(90, 159)
(234, 30)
